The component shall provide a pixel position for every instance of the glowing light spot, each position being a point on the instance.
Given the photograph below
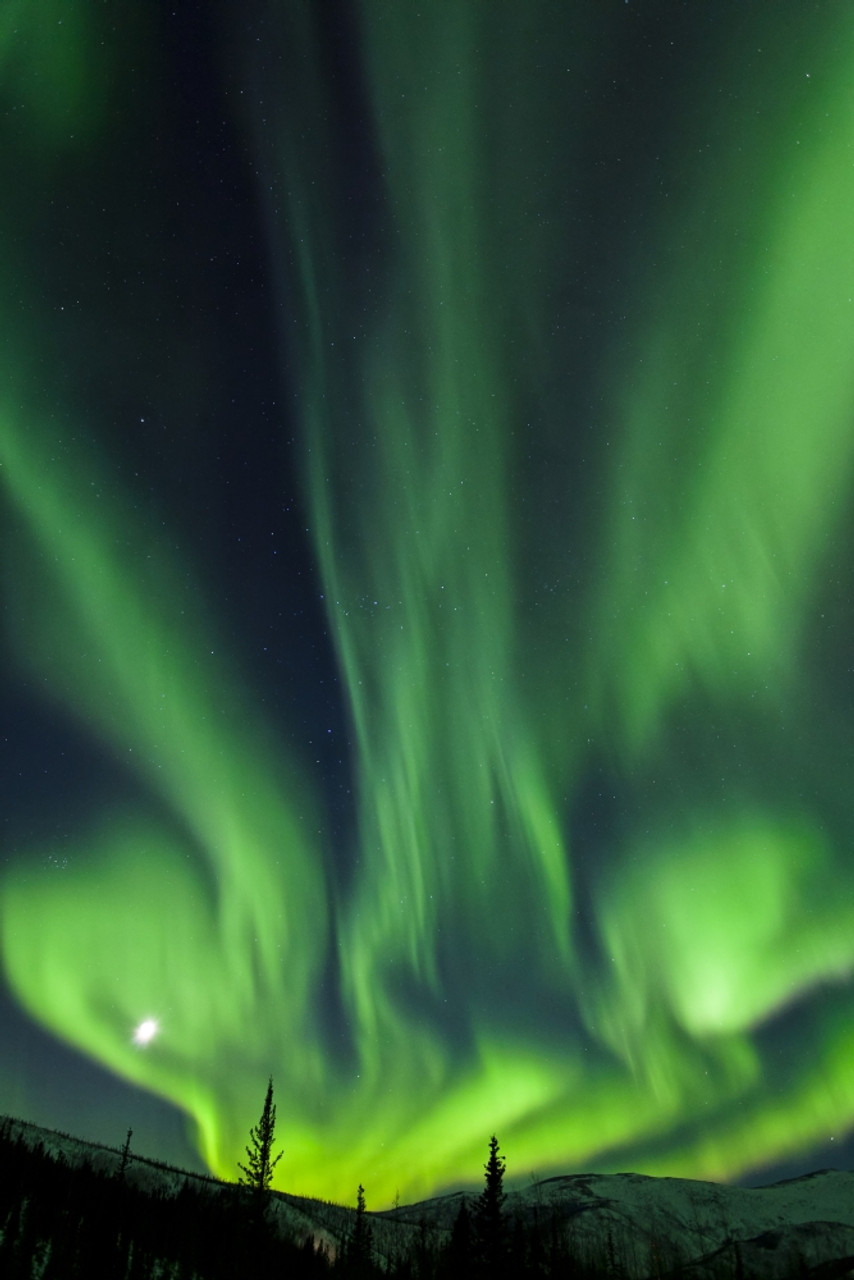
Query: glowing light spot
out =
(146, 1031)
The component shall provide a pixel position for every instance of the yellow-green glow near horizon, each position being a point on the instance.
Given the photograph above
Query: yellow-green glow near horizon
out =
(191, 951)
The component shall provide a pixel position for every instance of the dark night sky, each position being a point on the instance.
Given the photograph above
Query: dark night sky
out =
(425, 450)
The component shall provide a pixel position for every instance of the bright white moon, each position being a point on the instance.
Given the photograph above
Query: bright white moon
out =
(146, 1031)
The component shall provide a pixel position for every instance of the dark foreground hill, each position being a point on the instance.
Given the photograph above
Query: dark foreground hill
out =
(70, 1208)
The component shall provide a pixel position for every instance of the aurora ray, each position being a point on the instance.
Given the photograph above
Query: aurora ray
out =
(579, 550)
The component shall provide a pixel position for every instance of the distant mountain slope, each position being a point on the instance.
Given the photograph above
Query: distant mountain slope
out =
(628, 1224)
(295, 1215)
(652, 1225)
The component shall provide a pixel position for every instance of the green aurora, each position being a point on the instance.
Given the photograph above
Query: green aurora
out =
(525, 611)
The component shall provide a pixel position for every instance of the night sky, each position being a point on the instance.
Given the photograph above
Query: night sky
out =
(426, 457)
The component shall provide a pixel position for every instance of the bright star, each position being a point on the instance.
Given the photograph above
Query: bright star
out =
(146, 1031)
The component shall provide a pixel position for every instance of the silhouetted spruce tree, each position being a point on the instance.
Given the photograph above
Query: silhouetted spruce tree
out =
(359, 1247)
(490, 1230)
(257, 1174)
(460, 1251)
(125, 1159)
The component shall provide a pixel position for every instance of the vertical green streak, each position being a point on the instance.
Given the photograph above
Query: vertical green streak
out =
(457, 818)
(479, 711)
(738, 450)
(138, 928)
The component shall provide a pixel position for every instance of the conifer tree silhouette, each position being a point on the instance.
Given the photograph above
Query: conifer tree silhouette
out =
(123, 1163)
(489, 1225)
(360, 1244)
(258, 1172)
(460, 1248)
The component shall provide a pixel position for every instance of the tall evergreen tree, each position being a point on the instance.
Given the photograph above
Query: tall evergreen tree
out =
(460, 1248)
(258, 1172)
(489, 1226)
(359, 1247)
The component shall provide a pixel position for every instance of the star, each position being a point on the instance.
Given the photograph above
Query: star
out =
(145, 1032)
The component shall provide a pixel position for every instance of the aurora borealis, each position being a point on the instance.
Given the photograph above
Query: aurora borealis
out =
(426, 448)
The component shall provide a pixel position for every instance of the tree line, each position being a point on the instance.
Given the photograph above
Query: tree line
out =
(484, 1242)
(60, 1221)
(478, 1244)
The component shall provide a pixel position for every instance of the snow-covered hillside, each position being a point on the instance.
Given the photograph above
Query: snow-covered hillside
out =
(639, 1226)
(649, 1226)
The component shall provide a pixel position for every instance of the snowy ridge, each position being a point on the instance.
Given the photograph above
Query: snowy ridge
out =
(652, 1226)
(297, 1216)
(645, 1226)
(142, 1171)
(704, 1209)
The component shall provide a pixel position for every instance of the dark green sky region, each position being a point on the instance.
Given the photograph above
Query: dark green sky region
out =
(426, 446)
